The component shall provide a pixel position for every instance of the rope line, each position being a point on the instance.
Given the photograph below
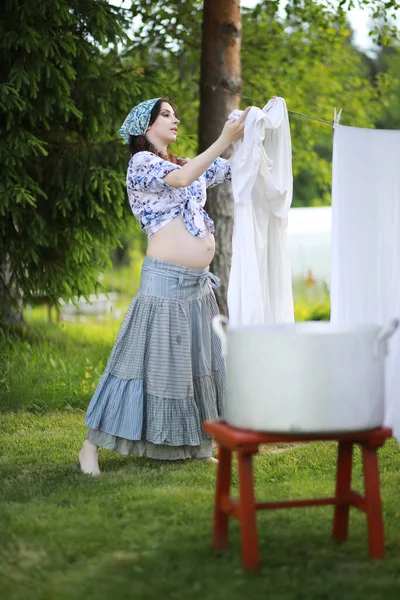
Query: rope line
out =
(216, 87)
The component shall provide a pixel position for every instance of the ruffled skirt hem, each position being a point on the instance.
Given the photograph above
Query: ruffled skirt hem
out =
(146, 448)
(123, 409)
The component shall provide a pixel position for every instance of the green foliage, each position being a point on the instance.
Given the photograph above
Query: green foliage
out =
(312, 311)
(167, 42)
(172, 25)
(389, 65)
(64, 94)
(311, 300)
(313, 65)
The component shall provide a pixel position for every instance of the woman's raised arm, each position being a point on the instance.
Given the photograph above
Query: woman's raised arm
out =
(233, 130)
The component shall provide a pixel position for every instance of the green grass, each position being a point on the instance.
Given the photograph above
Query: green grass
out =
(143, 529)
(53, 366)
(57, 365)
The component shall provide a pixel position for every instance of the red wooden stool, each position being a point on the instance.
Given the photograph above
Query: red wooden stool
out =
(246, 443)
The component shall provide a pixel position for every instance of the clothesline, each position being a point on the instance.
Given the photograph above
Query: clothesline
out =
(297, 113)
(216, 87)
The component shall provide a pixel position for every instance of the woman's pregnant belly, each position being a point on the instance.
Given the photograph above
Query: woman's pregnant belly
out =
(175, 244)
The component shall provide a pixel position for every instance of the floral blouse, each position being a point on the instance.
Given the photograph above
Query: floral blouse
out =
(155, 203)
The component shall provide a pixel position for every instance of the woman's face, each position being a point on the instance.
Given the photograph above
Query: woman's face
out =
(165, 127)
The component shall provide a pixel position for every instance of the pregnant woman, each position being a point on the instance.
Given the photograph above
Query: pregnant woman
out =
(165, 375)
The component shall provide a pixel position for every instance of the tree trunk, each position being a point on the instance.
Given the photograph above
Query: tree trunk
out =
(220, 87)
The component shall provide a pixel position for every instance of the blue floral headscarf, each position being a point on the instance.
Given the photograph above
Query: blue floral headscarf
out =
(137, 122)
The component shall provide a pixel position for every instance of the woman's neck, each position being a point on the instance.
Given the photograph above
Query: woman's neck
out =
(158, 144)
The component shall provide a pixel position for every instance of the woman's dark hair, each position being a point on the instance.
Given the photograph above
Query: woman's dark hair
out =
(139, 143)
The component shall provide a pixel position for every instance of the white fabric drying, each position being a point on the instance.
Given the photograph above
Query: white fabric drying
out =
(365, 243)
(260, 285)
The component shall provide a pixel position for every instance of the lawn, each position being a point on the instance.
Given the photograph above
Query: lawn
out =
(143, 529)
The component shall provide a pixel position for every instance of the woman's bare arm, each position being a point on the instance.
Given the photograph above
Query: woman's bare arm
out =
(233, 130)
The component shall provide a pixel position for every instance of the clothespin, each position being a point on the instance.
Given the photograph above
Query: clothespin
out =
(336, 117)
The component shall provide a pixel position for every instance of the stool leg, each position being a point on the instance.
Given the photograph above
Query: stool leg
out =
(373, 504)
(220, 533)
(343, 486)
(247, 513)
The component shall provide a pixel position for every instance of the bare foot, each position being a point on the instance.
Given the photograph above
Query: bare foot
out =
(88, 459)
(209, 459)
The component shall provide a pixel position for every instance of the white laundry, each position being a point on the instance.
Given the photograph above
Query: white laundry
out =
(365, 243)
(260, 285)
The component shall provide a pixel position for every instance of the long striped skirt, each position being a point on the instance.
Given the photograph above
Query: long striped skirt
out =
(166, 374)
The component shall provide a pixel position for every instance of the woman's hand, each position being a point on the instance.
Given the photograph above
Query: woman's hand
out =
(234, 128)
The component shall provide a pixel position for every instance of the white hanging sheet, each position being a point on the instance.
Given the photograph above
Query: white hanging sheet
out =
(260, 286)
(365, 243)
